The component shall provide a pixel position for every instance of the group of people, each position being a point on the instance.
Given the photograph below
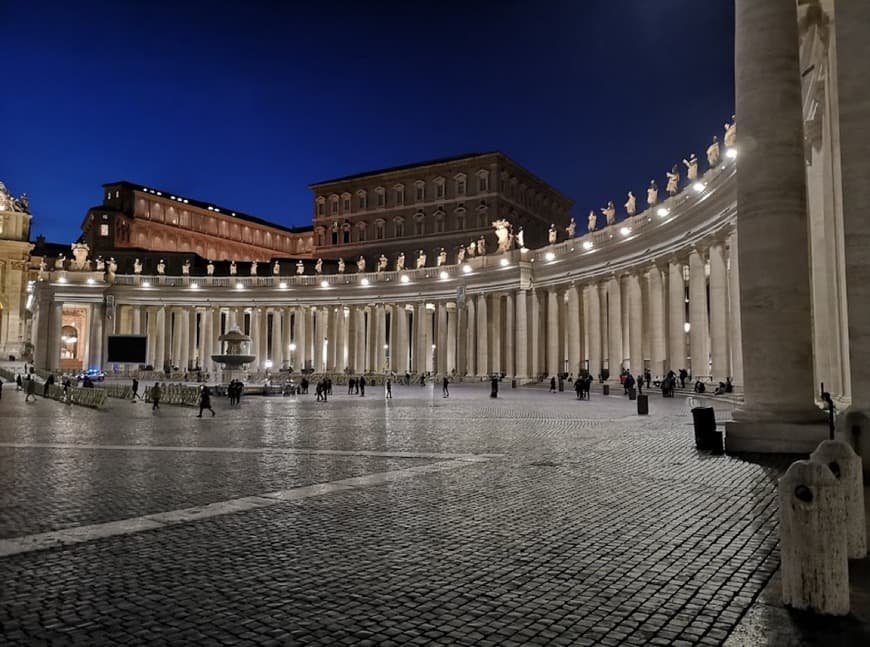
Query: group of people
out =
(234, 392)
(323, 388)
(357, 386)
(583, 387)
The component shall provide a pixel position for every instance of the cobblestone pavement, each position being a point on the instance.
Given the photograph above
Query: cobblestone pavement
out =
(533, 519)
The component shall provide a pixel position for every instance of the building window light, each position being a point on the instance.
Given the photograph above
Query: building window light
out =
(687, 326)
(625, 231)
(662, 212)
(404, 278)
(466, 268)
(698, 187)
(444, 275)
(588, 244)
(549, 256)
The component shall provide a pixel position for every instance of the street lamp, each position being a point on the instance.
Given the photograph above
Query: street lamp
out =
(291, 348)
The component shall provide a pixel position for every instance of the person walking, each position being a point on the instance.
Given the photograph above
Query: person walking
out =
(445, 392)
(350, 384)
(156, 394)
(553, 384)
(578, 388)
(31, 389)
(389, 387)
(361, 382)
(135, 389)
(1, 389)
(204, 400)
(640, 383)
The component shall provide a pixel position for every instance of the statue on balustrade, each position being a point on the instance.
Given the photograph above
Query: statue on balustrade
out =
(609, 213)
(551, 235)
(502, 234)
(400, 262)
(276, 268)
(481, 246)
(731, 133)
(209, 269)
(421, 259)
(137, 266)
(80, 256)
(300, 268)
(471, 250)
(101, 264)
(631, 204)
(571, 229)
(691, 167)
(361, 264)
(382, 263)
(341, 266)
(521, 239)
(254, 268)
(42, 267)
(713, 153)
(673, 180)
(6, 199)
(652, 193)
(161, 267)
(112, 266)
(460, 254)
(442, 258)
(233, 269)
(592, 221)
(318, 266)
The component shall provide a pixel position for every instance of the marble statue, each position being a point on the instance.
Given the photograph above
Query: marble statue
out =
(481, 246)
(361, 264)
(382, 263)
(521, 238)
(571, 229)
(471, 250)
(300, 267)
(137, 266)
(713, 153)
(254, 268)
(101, 264)
(730, 138)
(400, 262)
(673, 180)
(185, 267)
(113, 266)
(442, 258)
(460, 254)
(609, 213)
(318, 266)
(652, 193)
(592, 222)
(5, 198)
(80, 256)
(42, 266)
(161, 267)
(551, 235)
(421, 259)
(502, 234)
(341, 266)
(631, 204)
(209, 269)
(276, 268)
(233, 269)
(691, 167)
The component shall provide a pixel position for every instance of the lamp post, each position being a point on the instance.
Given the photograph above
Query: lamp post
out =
(291, 348)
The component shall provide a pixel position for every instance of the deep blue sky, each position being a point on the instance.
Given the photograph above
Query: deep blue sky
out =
(248, 103)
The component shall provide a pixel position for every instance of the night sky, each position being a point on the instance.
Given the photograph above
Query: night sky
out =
(247, 104)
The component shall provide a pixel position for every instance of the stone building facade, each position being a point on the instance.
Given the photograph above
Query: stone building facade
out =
(15, 248)
(433, 205)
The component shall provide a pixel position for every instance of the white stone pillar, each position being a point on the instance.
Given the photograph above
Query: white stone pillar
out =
(676, 318)
(535, 336)
(698, 335)
(495, 364)
(593, 329)
(401, 349)
(658, 332)
(575, 359)
(470, 337)
(95, 345)
(483, 363)
(635, 325)
(553, 365)
(136, 322)
(160, 354)
(772, 227)
(173, 316)
(380, 353)
(290, 357)
(509, 332)
(262, 337)
(441, 342)
(301, 322)
(522, 337)
(452, 314)
(615, 353)
(734, 327)
(718, 314)
(55, 334)
(279, 348)
(359, 343)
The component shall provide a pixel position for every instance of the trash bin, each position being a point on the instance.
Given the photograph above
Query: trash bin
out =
(704, 419)
(513, 384)
(632, 393)
(642, 405)
(605, 390)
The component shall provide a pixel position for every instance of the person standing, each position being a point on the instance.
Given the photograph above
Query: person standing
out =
(156, 394)
(445, 392)
(135, 389)
(389, 387)
(361, 382)
(553, 384)
(578, 387)
(31, 389)
(18, 385)
(204, 400)
(1, 389)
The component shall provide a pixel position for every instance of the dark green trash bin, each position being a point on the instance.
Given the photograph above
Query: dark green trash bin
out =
(605, 390)
(642, 404)
(704, 419)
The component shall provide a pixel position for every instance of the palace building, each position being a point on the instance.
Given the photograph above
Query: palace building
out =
(755, 270)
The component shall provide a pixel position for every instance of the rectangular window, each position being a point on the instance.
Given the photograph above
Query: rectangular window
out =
(439, 190)
(460, 187)
(320, 209)
(380, 199)
(335, 206)
(400, 197)
(418, 228)
(362, 234)
(362, 202)
(420, 193)
(379, 231)
(104, 230)
(483, 184)
(400, 229)
(346, 206)
(439, 226)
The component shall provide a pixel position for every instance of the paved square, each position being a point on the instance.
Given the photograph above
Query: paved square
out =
(531, 519)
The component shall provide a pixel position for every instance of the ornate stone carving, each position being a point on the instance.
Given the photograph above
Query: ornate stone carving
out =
(80, 256)
(652, 193)
(609, 213)
(592, 221)
(400, 262)
(631, 204)
(713, 153)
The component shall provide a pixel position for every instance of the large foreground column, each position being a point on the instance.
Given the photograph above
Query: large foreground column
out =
(522, 339)
(772, 230)
(718, 314)
(658, 333)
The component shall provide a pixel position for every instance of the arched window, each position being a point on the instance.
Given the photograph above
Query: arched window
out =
(419, 224)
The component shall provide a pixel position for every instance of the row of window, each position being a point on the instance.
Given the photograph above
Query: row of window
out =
(343, 233)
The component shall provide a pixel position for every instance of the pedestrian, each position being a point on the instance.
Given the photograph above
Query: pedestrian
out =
(156, 394)
(553, 384)
(204, 400)
(318, 390)
(361, 382)
(683, 375)
(350, 384)
(640, 383)
(31, 389)
(135, 390)
(578, 388)
(1, 389)
(18, 385)
(445, 392)
(647, 378)
(389, 386)
(328, 386)
(48, 382)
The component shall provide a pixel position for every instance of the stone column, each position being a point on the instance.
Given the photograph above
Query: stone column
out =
(535, 336)
(495, 363)
(262, 337)
(173, 316)
(290, 358)
(301, 337)
(734, 327)
(698, 336)
(575, 360)
(658, 333)
(718, 314)
(160, 352)
(593, 329)
(510, 365)
(136, 323)
(380, 353)
(852, 25)
(452, 313)
(522, 337)
(215, 336)
(401, 348)
(635, 325)
(470, 337)
(483, 365)
(615, 353)
(95, 344)
(772, 227)
(359, 316)
(320, 317)
(676, 318)
(55, 334)
(553, 339)
(441, 342)
(279, 348)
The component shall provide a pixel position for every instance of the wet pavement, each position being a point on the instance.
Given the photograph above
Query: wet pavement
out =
(533, 519)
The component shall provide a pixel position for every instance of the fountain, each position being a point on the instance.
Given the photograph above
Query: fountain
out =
(234, 357)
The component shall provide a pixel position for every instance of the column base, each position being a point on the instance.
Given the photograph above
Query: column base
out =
(853, 427)
(771, 437)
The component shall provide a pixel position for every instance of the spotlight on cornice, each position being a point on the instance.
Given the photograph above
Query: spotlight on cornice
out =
(240, 286)
(466, 268)
(731, 153)
(324, 283)
(698, 187)
(662, 212)
(405, 278)
(587, 245)
(444, 275)
(549, 256)
(625, 231)
(282, 285)
(364, 281)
